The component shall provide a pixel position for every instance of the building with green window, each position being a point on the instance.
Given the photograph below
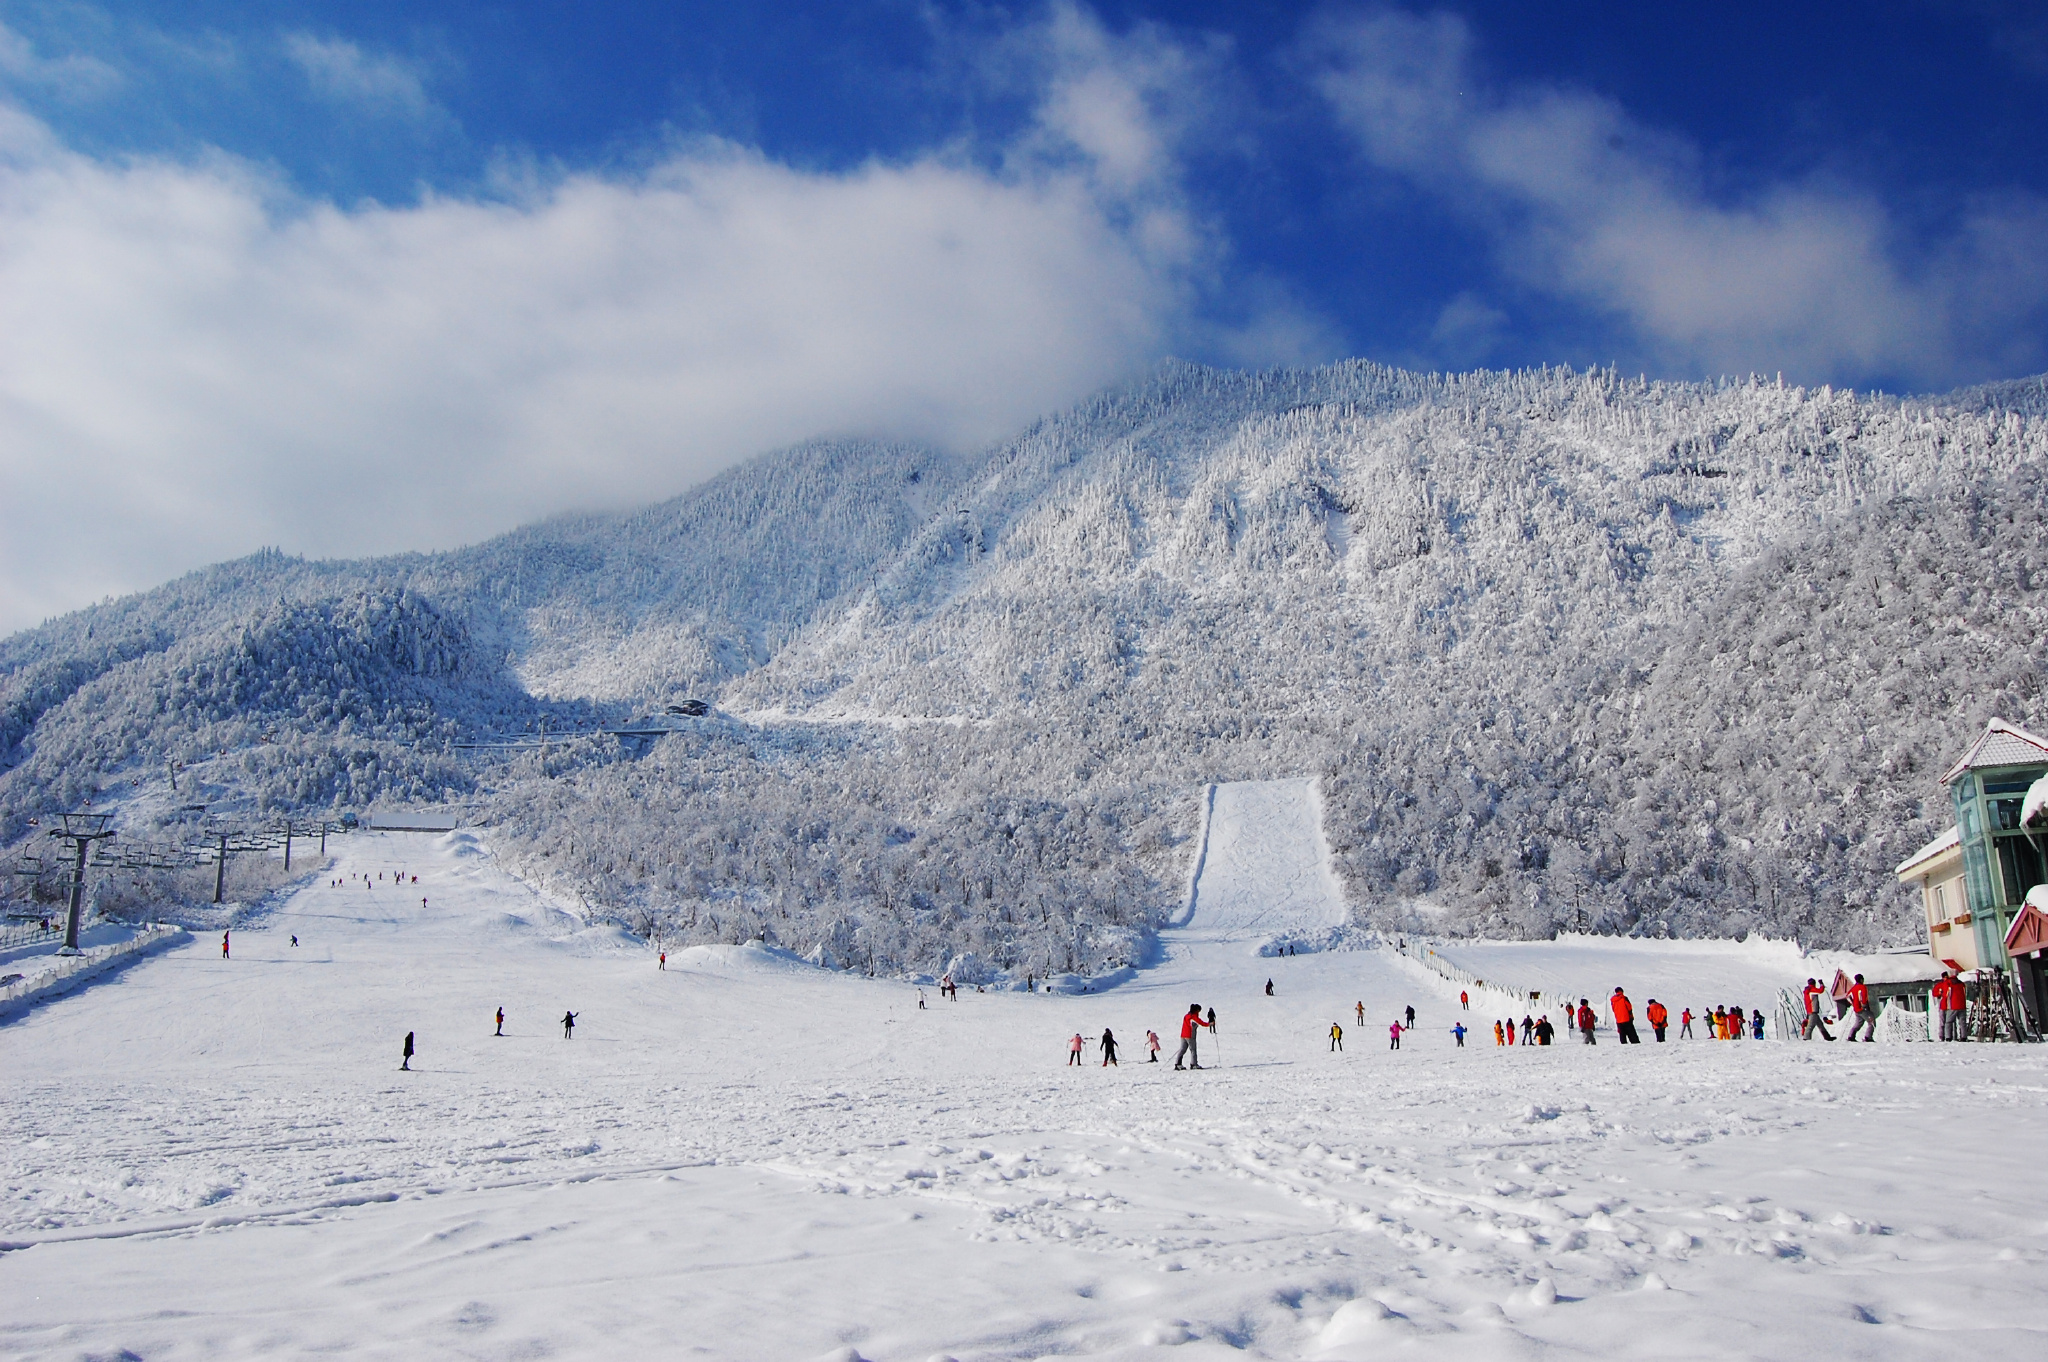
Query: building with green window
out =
(1973, 879)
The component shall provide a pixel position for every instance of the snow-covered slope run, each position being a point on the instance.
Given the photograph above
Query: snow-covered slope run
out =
(739, 1157)
(1265, 869)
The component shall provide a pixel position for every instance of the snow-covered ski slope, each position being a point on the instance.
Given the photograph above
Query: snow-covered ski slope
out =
(744, 1158)
(1263, 868)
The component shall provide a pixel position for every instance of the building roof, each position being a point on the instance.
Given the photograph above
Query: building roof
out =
(1948, 841)
(2003, 744)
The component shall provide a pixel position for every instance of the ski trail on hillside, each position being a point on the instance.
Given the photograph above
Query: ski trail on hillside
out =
(1265, 867)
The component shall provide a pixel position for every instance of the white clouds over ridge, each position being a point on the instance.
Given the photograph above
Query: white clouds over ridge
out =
(195, 362)
(1584, 203)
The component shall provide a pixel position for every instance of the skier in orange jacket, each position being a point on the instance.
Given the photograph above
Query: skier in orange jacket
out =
(1624, 1018)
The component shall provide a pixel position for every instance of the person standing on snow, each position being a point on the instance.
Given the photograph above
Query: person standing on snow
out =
(1411, 1017)
(1511, 1031)
(1587, 1021)
(1624, 1018)
(1269, 988)
(501, 1021)
(1685, 1025)
(1108, 1048)
(920, 1000)
(1336, 1038)
(1464, 1000)
(1359, 1008)
(223, 945)
(661, 962)
(405, 1060)
(1459, 1032)
(1074, 1050)
(1545, 1032)
(1866, 1016)
(1189, 1051)
(1394, 1034)
(1499, 1036)
(1660, 1017)
(1152, 1046)
(568, 1026)
(1756, 1023)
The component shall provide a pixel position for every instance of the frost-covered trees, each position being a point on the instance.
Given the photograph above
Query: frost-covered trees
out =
(1564, 647)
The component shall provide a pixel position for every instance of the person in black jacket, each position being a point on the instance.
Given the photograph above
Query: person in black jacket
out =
(405, 1061)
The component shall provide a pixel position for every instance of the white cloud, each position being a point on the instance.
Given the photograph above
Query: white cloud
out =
(195, 362)
(1583, 202)
(339, 70)
(73, 76)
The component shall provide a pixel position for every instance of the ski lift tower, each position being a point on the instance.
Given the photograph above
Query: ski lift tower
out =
(81, 830)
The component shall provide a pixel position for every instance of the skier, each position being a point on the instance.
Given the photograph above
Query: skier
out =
(1464, 1000)
(1811, 996)
(1685, 1025)
(920, 1000)
(661, 963)
(1951, 999)
(1269, 988)
(1394, 1034)
(423, 902)
(1756, 1023)
(1545, 1032)
(1866, 1017)
(1411, 1017)
(1074, 1050)
(1359, 1008)
(405, 1060)
(1511, 1030)
(1152, 1046)
(501, 1021)
(1587, 1021)
(1336, 1038)
(1624, 1018)
(568, 1026)
(223, 945)
(1660, 1017)
(1499, 1036)
(295, 939)
(1528, 1029)
(1108, 1048)
(1459, 1032)
(1189, 1051)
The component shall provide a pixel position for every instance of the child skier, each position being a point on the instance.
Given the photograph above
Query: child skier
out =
(1074, 1050)
(1152, 1046)
(1108, 1048)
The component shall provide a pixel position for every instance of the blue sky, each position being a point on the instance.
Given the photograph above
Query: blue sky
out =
(501, 260)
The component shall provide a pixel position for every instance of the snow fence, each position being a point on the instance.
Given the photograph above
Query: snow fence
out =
(73, 970)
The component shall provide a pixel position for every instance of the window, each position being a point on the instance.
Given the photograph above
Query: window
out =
(2021, 866)
(1941, 902)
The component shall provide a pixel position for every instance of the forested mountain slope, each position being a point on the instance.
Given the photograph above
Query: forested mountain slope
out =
(1561, 646)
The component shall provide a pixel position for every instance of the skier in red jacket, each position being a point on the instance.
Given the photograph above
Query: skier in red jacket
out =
(1866, 1018)
(1660, 1017)
(1587, 1021)
(1189, 1051)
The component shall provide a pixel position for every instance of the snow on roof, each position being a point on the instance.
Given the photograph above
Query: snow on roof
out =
(2003, 744)
(1947, 841)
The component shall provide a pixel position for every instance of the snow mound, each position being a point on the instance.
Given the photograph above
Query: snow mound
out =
(461, 842)
(755, 957)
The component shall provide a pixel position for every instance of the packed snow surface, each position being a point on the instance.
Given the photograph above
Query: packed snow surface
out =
(742, 1157)
(1263, 867)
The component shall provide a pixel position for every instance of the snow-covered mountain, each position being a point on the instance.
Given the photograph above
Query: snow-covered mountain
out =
(1559, 646)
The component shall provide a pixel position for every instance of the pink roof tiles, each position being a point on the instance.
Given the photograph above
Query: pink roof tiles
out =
(2003, 744)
